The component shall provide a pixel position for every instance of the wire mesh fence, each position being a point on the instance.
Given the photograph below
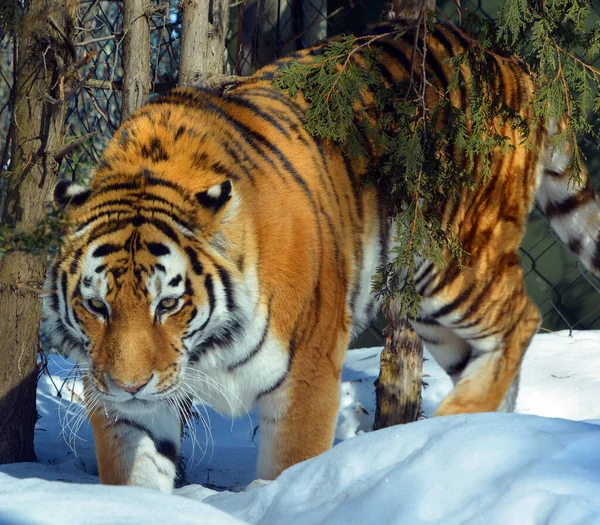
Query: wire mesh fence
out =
(261, 31)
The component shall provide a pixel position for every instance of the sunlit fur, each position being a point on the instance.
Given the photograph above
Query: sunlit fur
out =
(261, 240)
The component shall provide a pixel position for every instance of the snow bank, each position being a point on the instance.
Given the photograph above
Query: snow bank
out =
(485, 468)
(32, 501)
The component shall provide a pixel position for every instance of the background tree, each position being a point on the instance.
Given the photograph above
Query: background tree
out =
(203, 32)
(136, 57)
(44, 73)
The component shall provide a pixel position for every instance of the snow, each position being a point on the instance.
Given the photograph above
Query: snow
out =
(523, 468)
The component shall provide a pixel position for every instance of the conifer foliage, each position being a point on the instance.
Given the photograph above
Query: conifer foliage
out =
(408, 140)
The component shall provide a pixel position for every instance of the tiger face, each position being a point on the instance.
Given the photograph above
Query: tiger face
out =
(138, 296)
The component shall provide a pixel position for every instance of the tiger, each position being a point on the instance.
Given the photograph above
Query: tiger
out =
(222, 253)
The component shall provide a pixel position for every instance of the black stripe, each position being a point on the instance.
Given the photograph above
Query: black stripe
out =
(421, 289)
(155, 151)
(431, 60)
(275, 386)
(106, 249)
(145, 179)
(115, 226)
(211, 307)
(459, 366)
(152, 197)
(168, 449)
(53, 291)
(225, 337)
(458, 35)
(427, 271)
(273, 94)
(158, 249)
(226, 282)
(568, 205)
(252, 137)
(257, 348)
(426, 321)
(459, 300)
(63, 285)
(448, 277)
(430, 340)
(469, 325)
(129, 205)
(443, 39)
(62, 337)
(387, 75)
(210, 291)
(193, 257)
(240, 101)
(119, 186)
(474, 307)
(239, 162)
(485, 335)
(396, 53)
(75, 261)
(164, 447)
(113, 202)
(180, 131)
(175, 281)
(356, 187)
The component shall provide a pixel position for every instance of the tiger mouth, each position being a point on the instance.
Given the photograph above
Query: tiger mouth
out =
(133, 405)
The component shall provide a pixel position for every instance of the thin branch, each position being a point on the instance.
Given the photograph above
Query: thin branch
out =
(578, 60)
(561, 74)
(70, 146)
(94, 40)
(345, 64)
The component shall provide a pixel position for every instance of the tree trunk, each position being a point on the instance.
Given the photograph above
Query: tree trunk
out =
(43, 62)
(136, 57)
(398, 388)
(203, 32)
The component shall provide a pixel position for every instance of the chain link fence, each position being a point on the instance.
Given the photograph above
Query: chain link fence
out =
(261, 31)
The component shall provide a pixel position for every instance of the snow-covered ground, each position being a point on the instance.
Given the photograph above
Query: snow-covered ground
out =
(484, 468)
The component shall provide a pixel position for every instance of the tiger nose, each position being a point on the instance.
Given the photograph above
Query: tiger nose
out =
(132, 388)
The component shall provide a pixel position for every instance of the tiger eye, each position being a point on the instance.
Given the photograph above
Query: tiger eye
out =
(167, 304)
(97, 306)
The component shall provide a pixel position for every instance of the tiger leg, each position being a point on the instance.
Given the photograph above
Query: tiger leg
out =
(450, 351)
(498, 341)
(453, 354)
(298, 420)
(143, 450)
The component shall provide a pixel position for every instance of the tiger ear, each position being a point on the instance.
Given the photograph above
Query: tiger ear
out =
(68, 193)
(216, 197)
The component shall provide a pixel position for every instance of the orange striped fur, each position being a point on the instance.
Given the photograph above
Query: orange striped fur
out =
(224, 254)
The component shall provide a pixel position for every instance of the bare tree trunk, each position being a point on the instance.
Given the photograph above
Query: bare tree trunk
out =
(398, 388)
(203, 32)
(43, 62)
(136, 57)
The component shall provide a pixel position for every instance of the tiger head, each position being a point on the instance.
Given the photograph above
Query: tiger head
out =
(144, 283)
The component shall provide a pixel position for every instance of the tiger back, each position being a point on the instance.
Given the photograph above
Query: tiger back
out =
(223, 254)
